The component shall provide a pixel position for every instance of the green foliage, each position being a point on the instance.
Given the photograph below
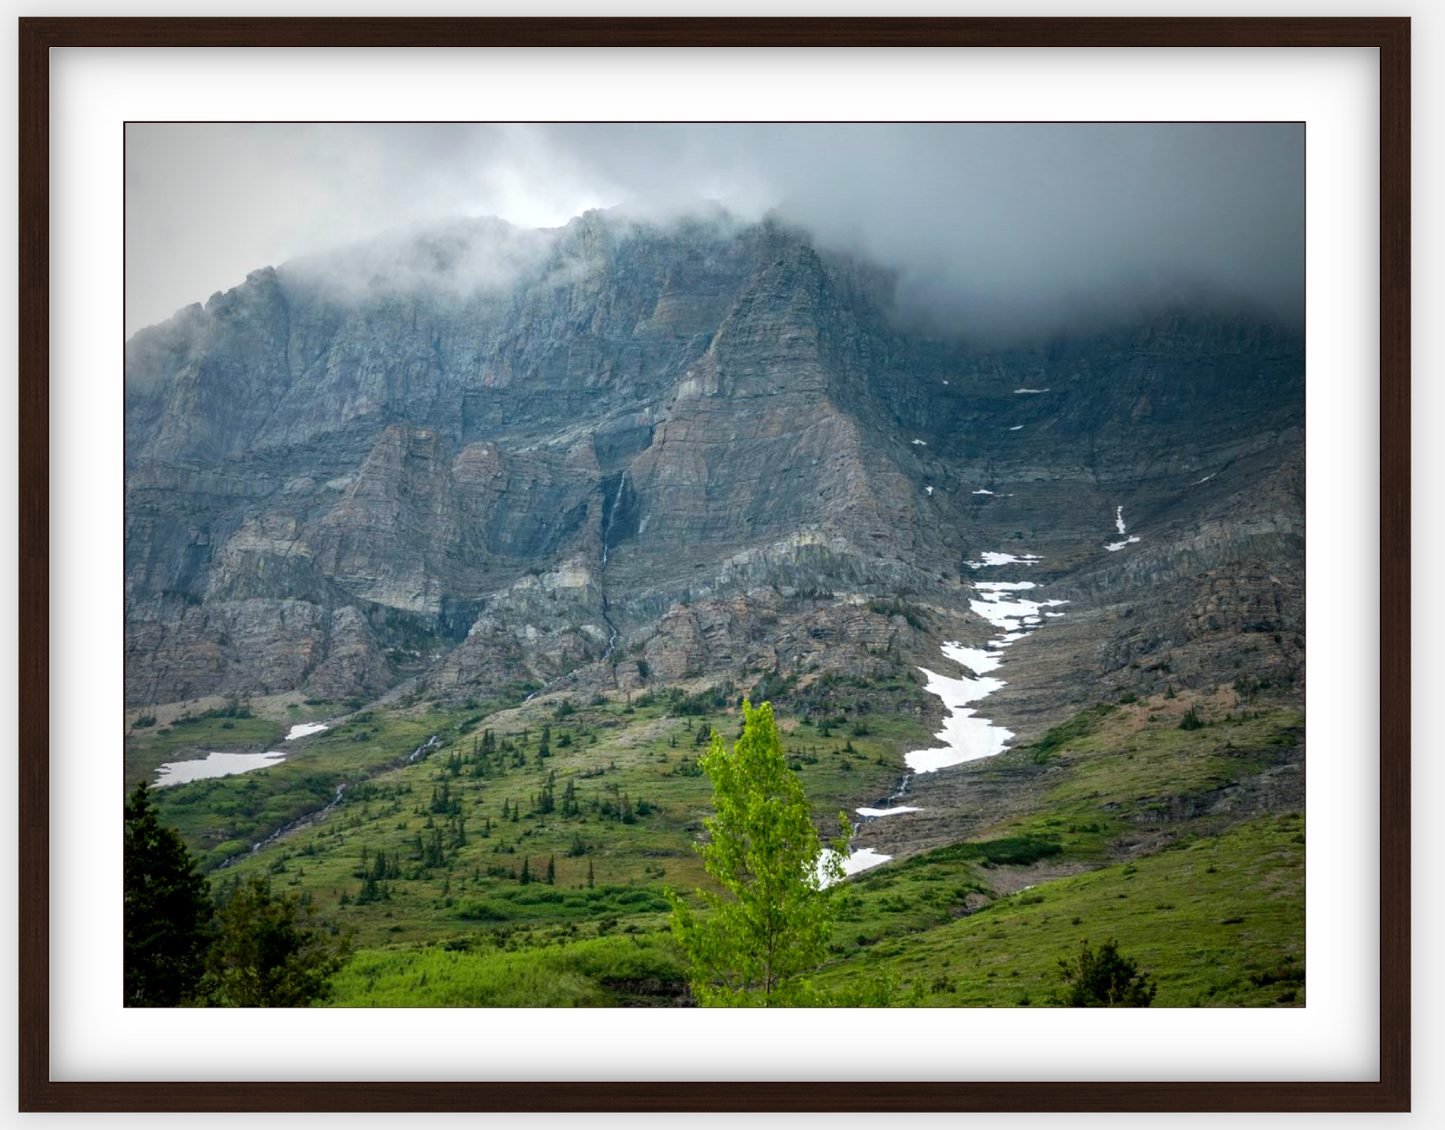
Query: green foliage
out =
(234, 708)
(1020, 851)
(1191, 720)
(538, 903)
(598, 972)
(271, 953)
(167, 910)
(1080, 725)
(700, 703)
(776, 918)
(913, 615)
(1103, 978)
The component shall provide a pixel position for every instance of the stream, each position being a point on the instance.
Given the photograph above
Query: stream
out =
(432, 743)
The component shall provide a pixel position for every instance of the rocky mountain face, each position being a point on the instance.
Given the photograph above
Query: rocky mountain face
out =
(620, 454)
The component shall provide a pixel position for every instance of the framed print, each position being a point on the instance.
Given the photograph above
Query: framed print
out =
(807, 552)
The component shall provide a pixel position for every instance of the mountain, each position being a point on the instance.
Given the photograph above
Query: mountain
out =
(621, 454)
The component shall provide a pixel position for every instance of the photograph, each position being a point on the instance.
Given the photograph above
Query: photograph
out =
(721, 564)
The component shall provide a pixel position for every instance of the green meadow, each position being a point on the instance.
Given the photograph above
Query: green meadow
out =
(523, 855)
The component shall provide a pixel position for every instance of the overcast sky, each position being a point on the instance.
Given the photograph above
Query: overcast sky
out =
(1018, 227)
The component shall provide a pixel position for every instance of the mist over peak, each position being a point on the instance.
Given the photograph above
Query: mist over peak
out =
(455, 256)
(994, 231)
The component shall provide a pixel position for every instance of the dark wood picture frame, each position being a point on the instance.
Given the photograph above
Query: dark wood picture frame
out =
(1391, 36)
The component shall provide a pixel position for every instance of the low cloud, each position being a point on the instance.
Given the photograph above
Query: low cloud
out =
(993, 230)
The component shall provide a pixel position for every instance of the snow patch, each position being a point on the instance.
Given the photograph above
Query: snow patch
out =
(1119, 520)
(1009, 614)
(965, 736)
(991, 558)
(983, 492)
(1017, 428)
(919, 443)
(877, 812)
(214, 765)
(305, 729)
(929, 491)
(1022, 391)
(1115, 546)
(859, 860)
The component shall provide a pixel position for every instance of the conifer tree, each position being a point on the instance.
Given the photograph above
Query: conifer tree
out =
(1103, 978)
(168, 910)
(271, 953)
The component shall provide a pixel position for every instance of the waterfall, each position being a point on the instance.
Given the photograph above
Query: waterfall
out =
(612, 516)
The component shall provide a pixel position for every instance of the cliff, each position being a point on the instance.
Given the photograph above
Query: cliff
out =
(621, 452)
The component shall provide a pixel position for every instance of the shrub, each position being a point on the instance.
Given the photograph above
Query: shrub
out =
(1103, 978)
(1019, 851)
(1191, 720)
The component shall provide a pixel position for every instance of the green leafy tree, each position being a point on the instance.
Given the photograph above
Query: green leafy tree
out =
(1103, 978)
(271, 952)
(775, 919)
(168, 910)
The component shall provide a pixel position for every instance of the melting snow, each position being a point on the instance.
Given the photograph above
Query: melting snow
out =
(991, 558)
(1021, 391)
(976, 659)
(929, 490)
(1017, 428)
(214, 765)
(1115, 546)
(1207, 478)
(919, 443)
(859, 860)
(983, 492)
(1009, 614)
(965, 736)
(304, 729)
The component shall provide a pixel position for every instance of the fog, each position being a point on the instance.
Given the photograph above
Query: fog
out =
(1001, 230)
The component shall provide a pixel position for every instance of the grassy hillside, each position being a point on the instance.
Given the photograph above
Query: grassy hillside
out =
(1123, 825)
(1217, 920)
(609, 790)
